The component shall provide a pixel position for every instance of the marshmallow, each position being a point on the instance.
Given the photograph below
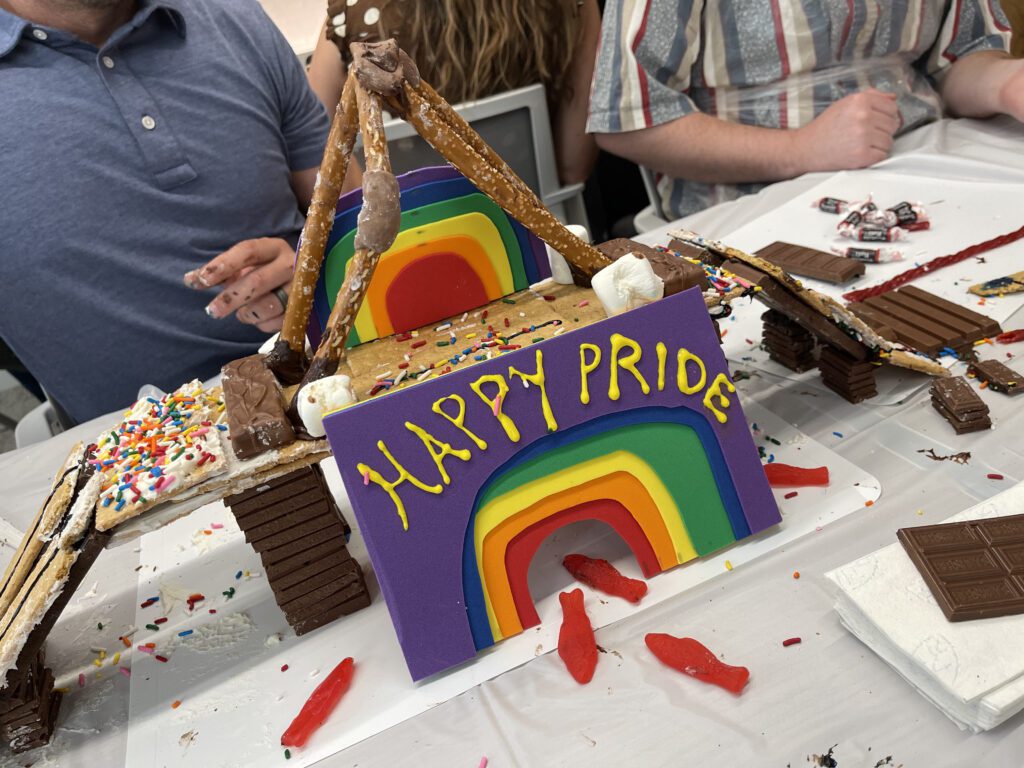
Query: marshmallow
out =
(560, 272)
(627, 283)
(320, 397)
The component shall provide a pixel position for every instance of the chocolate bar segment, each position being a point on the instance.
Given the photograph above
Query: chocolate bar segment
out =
(853, 379)
(254, 408)
(998, 377)
(924, 321)
(677, 274)
(29, 708)
(975, 569)
(808, 262)
(787, 342)
(960, 405)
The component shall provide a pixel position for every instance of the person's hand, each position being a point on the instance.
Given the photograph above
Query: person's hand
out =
(855, 132)
(250, 273)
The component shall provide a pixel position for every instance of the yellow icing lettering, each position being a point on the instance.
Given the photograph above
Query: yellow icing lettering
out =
(683, 357)
(497, 402)
(373, 476)
(662, 354)
(628, 363)
(715, 391)
(459, 420)
(587, 368)
(538, 380)
(438, 449)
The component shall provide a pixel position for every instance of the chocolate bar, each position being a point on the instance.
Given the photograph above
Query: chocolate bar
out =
(28, 709)
(808, 262)
(974, 569)
(787, 342)
(677, 274)
(853, 379)
(300, 534)
(254, 408)
(998, 377)
(960, 405)
(924, 321)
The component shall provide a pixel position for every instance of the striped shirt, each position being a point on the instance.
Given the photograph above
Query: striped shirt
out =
(775, 64)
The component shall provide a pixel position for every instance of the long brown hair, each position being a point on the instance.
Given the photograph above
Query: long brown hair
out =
(469, 49)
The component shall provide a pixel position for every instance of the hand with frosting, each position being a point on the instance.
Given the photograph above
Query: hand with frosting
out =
(254, 277)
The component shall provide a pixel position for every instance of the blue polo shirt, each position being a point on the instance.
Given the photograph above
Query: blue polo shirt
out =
(123, 168)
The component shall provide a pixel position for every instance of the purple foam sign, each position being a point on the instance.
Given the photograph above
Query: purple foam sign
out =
(414, 508)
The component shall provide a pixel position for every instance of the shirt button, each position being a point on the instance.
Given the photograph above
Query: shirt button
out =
(107, 62)
(39, 34)
(148, 122)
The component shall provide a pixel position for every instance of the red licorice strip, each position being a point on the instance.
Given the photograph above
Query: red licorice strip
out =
(944, 261)
(786, 475)
(686, 655)
(576, 644)
(604, 577)
(319, 706)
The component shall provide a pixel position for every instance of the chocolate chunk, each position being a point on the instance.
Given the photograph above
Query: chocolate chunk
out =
(278, 567)
(960, 405)
(998, 377)
(924, 322)
(808, 262)
(975, 569)
(788, 343)
(852, 379)
(286, 364)
(677, 274)
(254, 408)
(345, 608)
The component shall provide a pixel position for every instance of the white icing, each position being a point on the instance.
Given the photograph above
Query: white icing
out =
(627, 283)
(559, 266)
(321, 397)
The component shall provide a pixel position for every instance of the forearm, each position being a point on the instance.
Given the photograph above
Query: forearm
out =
(702, 148)
(976, 85)
(575, 149)
(327, 73)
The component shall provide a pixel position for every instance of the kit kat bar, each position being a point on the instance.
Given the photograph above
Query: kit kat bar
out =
(809, 262)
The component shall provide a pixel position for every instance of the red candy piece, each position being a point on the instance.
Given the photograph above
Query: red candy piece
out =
(1010, 337)
(686, 655)
(785, 475)
(319, 706)
(604, 577)
(576, 644)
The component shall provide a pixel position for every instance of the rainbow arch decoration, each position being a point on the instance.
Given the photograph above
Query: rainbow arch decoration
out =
(456, 481)
(456, 250)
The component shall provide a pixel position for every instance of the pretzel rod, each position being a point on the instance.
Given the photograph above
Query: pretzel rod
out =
(445, 130)
(377, 228)
(287, 357)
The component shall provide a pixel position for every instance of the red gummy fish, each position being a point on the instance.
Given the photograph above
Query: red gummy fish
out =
(786, 475)
(576, 644)
(319, 706)
(604, 577)
(686, 655)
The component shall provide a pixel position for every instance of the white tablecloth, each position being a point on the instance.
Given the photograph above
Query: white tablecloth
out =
(828, 690)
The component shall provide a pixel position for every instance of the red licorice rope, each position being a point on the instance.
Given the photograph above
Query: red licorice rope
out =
(944, 261)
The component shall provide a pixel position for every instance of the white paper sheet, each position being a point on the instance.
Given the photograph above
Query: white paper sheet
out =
(236, 701)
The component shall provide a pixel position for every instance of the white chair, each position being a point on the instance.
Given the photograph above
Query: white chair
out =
(652, 216)
(39, 424)
(517, 125)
